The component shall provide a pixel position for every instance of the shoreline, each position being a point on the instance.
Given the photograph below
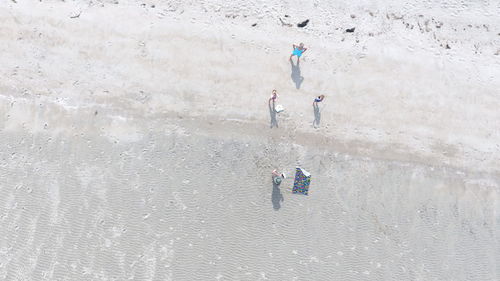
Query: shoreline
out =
(215, 126)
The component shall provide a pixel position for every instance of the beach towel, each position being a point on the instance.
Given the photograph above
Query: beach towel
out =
(302, 181)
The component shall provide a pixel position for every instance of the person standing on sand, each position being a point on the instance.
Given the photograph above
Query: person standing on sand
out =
(318, 99)
(298, 51)
(277, 178)
(273, 97)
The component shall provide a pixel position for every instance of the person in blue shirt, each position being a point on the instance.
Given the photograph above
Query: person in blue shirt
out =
(298, 51)
(318, 99)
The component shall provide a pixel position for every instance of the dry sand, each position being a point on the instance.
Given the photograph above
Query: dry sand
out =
(136, 140)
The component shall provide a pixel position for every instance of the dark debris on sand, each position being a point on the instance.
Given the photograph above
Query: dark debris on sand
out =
(350, 29)
(76, 16)
(303, 24)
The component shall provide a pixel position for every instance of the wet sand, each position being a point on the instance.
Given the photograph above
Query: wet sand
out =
(137, 142)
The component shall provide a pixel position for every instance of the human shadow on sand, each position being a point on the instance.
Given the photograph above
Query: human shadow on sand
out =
(317, 115)
(276, 197)
(296, 78)
(272, 113)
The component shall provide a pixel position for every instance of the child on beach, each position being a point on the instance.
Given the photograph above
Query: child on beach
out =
(298, 51)
(277, 178)
(318, 99)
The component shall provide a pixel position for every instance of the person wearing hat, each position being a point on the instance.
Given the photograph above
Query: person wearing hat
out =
(278, 178)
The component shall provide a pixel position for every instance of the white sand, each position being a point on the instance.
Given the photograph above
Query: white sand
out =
(136, 141)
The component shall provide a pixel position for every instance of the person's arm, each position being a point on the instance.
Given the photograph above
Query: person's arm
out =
(305, 49)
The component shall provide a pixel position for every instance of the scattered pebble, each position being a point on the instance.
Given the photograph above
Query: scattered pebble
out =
(303, 24)
(353, 16)
(350, 29)
(254, 24)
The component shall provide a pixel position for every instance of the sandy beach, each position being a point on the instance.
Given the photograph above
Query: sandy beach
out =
(137, 141)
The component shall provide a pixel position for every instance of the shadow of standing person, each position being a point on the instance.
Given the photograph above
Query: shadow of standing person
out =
(276, 197)
(272, 113)
(296, 78)
(317, 115)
